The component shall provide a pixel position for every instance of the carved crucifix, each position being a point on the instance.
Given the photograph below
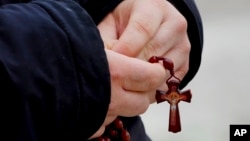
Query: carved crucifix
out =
(173, 96)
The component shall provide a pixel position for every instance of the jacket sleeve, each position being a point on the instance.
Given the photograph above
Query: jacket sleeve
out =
(54, 75)
(98, 9)
(189, 10)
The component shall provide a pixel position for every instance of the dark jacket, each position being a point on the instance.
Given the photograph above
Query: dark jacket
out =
(54, 75)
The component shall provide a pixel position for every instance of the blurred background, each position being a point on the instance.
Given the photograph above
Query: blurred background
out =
(221, 94)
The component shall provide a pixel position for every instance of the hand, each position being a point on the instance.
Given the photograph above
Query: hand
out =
(143, 28)
(133, 86)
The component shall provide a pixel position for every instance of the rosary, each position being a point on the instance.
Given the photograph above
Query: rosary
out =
(116, 130)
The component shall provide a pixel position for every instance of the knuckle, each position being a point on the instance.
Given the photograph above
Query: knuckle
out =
(186, 48)
(181, 23)
(146, 28)
(159, 4)
(115, 75)
(151, 48)
(126, 48)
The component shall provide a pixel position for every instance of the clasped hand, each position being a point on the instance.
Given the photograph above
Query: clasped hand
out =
(132, 33)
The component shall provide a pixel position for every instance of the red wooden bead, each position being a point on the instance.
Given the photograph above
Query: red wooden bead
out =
(113, 133)
(125, 135)
(118, 124)
(103, 139)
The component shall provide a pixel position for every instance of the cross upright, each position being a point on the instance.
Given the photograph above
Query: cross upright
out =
(173, 96)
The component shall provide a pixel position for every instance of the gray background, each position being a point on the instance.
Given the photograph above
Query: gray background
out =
(221, 94)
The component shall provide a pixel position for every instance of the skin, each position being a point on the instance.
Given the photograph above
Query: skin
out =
(143, 28)
(131, 90)
(132, 33)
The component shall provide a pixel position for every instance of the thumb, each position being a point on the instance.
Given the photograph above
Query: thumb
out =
(134, 74)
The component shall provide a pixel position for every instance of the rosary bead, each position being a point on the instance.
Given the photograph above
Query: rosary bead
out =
(113, 133)
(103, 139)
(118, 124)
(125, 135)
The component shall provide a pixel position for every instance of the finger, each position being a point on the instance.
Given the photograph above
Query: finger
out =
(133, 74)
(171, 44)
(130, 103)
(144, 76)
(180, 57)
(163, 40)
(171, 32)
(141, 27)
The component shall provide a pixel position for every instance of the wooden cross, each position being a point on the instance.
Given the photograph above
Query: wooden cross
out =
(173, 96)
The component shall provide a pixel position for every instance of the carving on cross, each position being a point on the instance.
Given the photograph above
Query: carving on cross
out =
(173, 96)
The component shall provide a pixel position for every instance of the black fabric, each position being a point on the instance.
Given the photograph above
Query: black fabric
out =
(98, 9)
(135, 127)
(54, 75)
